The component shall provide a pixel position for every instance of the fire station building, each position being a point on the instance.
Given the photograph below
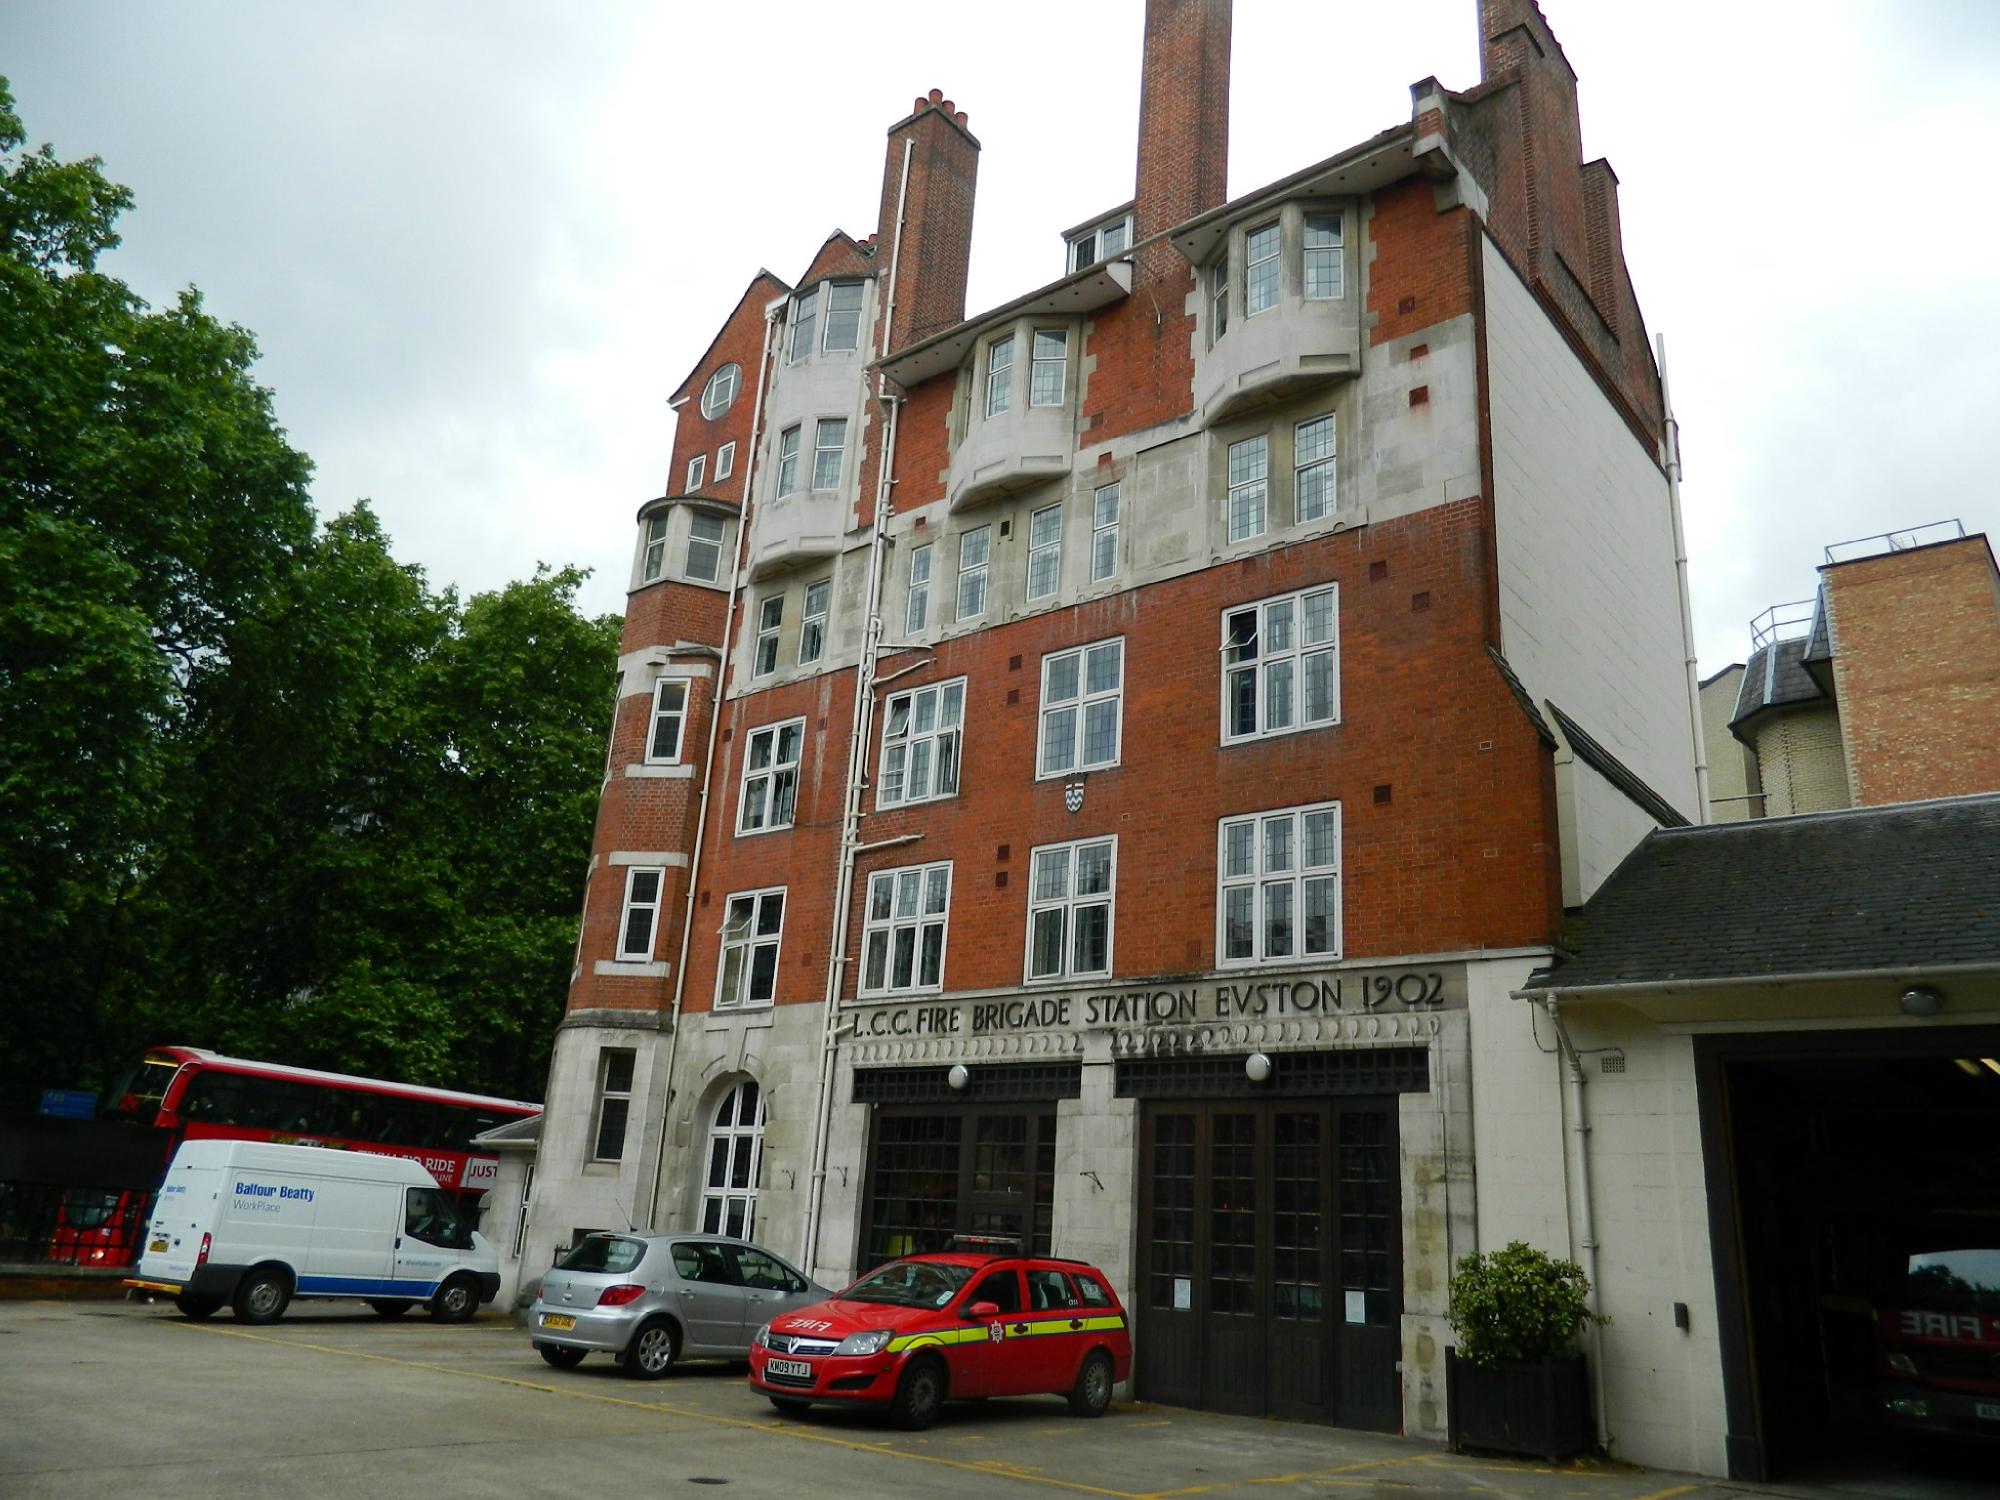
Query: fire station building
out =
(1090, 769)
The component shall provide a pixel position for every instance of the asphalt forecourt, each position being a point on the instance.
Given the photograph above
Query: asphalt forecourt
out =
(108, 1397)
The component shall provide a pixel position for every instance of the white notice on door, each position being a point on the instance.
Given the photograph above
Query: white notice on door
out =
(1183, 1293)
(1357, 1306)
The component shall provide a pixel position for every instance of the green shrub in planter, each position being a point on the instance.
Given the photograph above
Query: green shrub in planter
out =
(1517, 1303)
(1516, 1383)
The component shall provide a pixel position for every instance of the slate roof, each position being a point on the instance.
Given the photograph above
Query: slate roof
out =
(1914, 885)
(1775, 677)
(526, 1129)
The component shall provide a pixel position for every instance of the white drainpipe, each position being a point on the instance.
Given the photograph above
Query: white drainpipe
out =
(1673, 466)
(857, 756)
(708, 761)
(1586, 1226)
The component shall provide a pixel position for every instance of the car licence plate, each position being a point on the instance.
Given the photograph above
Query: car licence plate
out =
(157, 1246)
(1990, 1410)
(796, 1367)
(558, 1320)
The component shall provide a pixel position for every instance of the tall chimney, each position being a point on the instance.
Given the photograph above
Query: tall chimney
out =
(1183, 114)
(936, 242)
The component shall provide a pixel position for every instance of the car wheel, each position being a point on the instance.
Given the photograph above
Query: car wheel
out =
(790, 1406)
(391, 1307)
(561, 1358)
(456, 1301)
(919, 1394)
(197, 1307)
(1092, 1392)
(653, 1350)
(263, 1295)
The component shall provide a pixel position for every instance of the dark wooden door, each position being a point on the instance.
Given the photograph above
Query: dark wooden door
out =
(1269, 1256)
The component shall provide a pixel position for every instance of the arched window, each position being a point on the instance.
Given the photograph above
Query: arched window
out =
(735, 1163)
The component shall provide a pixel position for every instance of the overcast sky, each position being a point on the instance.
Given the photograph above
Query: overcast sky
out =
(479, 244)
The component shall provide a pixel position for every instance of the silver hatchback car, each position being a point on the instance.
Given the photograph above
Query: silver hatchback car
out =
(650, 1299)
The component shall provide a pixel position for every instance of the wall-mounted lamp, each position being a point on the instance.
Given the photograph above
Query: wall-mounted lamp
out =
(1921, 1000)
(1257, 1066)
(1086, 1172)
(958, 1077)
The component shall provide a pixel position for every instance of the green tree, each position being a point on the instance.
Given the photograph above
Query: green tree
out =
(260, 788)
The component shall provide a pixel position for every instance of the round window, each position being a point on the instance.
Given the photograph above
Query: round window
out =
(720, 392)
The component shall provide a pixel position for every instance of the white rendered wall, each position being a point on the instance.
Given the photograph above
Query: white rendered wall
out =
(1589, 605)
(1600, 826)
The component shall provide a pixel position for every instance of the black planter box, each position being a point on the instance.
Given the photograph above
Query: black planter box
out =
(1537, 1408)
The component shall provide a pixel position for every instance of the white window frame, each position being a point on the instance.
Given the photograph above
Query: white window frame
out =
(1260, 879)
(697, 473)
(747, 943)
(1266, 664)
(653, 549)
(1067, 904)
(1047, 549)
(1087, 248)
(1234, 487)
(662, 712)
(812, 626)
(1079, 706)
(771, 774)
(725, 461)
(1000, 390)
(1251, 267)
(917, 604)
(804, 325)
(764, 649)
(821, 448)
(828, 310)
(1307, 250)
(695, 540)
(606, 1093)
(974, 571)
(1218, 296)
(881, 929)
(1103, 533)
(627, 952)
(788, 458)
(738, 1135)
(1327, 463)
(713, 402)
(892, 779)
(1040, 364)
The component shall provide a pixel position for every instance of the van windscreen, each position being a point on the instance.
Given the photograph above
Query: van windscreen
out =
(604, 1252)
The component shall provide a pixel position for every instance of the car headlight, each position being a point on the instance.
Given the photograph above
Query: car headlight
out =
(763, 1337)
(1901, 1363)
(872, 1342)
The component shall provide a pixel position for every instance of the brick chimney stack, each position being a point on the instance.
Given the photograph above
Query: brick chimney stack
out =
(1183, 115)
(936, 247)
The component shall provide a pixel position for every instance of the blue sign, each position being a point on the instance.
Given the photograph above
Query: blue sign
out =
(69, 1104)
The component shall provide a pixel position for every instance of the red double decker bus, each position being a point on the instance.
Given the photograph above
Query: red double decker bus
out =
(198, 1094)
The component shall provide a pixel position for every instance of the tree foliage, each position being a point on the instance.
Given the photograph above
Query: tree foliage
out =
(261, 787)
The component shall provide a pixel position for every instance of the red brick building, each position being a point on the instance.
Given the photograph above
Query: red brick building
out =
(1087, 769)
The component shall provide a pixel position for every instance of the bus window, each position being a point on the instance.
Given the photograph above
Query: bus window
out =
(142, 1086)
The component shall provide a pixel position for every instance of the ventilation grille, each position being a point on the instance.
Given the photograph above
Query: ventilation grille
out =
(1018, 1083)
(1294, 1075)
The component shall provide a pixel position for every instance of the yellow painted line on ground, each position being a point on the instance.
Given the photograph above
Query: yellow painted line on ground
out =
(763, 1428)
(1679, 1489)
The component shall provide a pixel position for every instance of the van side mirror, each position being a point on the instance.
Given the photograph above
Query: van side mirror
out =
(983, 1310)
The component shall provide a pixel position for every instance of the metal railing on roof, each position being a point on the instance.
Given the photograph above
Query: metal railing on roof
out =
(1781, 622)
(1896, 541)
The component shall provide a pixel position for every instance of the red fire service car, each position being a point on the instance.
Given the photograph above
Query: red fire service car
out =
(979, 1320)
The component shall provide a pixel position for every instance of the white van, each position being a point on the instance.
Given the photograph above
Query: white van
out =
(254, 1225)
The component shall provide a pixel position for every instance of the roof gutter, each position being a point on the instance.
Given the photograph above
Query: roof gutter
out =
(1542, 993)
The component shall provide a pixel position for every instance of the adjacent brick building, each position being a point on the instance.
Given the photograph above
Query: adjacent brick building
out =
(1884, 687)
(1087, 770)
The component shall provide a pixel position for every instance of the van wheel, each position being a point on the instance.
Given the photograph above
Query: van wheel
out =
(456, 1301)
(197, 1307)
(1092, 1392)
(391, 1307)
(263, 1295)
(653, 1350)
(562, 1358)
(919, 1394)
